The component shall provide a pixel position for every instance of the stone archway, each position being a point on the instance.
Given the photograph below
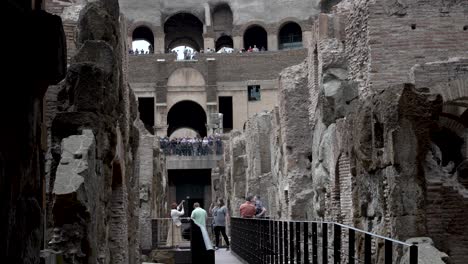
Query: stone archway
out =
(255, 35)
(290, 36)
(187, 114)
(183, 29)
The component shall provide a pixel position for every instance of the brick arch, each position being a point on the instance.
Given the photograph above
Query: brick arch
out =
(453, 124)
(342, 190)
(181, 11)
(138, 24)
(241, 31)
(452, 90)
(302, 24)
(198, 77)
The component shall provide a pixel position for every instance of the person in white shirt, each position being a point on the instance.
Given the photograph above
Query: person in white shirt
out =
(174, 235)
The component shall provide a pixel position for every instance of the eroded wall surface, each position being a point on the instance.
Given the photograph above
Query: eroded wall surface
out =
(379, 142)
(93, 184)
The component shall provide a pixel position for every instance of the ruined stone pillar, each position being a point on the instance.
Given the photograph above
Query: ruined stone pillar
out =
(209, 42)
(238, 42)
(160, 116)
(207, 14)
(159, 44)
(272, 42)
(306, 38)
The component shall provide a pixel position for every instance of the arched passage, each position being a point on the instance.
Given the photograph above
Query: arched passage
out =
(143, 38)
(290, 36)
(224, 42)
(255, 36)
(183, 29)
(187, 114)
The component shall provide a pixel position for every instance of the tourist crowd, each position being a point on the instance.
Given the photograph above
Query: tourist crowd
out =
(191, 146)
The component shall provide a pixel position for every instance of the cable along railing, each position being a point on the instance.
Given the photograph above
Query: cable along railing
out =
(259, 241)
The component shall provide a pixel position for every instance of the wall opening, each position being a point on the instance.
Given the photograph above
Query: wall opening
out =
(253, 93)
(225, 108)
(290, 36)
(146, 110)
(255, 36)
(143, 39)
(187, 114)
(190, 185)
(224, 42)
(450, 144)
(183, 29)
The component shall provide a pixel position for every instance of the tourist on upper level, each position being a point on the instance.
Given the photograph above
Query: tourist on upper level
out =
(249, 49)
(255, 49)
(263, 49)
(220, 218)
(247, 209)
(174, 235)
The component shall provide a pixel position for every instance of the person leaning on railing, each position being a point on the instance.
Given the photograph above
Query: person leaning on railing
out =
(247, 209)
(174, 235)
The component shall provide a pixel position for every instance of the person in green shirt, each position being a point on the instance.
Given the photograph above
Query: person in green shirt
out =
(199, 215)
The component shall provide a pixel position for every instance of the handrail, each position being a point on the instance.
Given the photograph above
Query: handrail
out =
(290, 241)
(334, 223)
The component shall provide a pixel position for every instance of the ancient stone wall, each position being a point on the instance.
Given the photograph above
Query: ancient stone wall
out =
(93, 182)
(386, 38)
(39, 62)
(387, 159)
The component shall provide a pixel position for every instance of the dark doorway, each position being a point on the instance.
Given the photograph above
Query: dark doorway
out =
(290, 36)
(224, 42)
(183, 29)
(255, 36)
(146, 109)
(225, 108)
(193, 186)
(187, 114)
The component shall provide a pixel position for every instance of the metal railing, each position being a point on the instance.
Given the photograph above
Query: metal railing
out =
(162, 231)
(312, 242)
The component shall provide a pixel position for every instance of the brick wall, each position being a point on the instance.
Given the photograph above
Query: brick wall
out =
(57, 7)
(447, 211)
(421, 31)
(229, 67)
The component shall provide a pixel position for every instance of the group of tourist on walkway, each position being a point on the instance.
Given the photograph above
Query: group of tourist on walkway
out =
(192, 146)
(252, 208)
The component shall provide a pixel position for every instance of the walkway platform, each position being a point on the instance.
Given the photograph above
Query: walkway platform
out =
(226, 257)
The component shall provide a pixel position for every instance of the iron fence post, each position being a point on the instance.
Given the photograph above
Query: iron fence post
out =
(298, 242)
(351, 246)
(306, 243)
(324, 243)
(337, 244)
(388, 251)
(367, 249)
(291, 242)
(314, 244)
(413, 254)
